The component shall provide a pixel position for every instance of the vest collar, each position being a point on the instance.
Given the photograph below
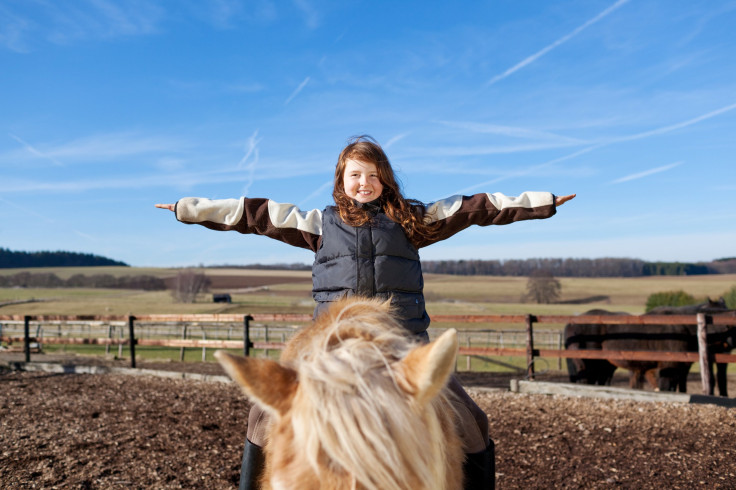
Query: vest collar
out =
(373, 208)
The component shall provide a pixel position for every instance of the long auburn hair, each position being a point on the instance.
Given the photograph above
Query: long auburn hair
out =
(409, 213)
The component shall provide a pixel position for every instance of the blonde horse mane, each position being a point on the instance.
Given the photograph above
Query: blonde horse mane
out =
(369, 408)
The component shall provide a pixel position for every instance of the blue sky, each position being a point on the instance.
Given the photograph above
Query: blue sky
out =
(108, 107)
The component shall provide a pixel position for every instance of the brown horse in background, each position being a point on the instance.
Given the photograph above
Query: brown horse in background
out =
(661, 375)
(356, 403)
(585, 336)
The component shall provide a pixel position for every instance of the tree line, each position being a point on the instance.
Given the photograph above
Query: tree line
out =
(10, 259)
(570, 267)
(49, 280)
(605, 267)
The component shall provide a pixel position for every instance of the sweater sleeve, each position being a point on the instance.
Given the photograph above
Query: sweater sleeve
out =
(283, 222)
(456, 213)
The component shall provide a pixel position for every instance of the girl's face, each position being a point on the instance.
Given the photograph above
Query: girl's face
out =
(361, 182)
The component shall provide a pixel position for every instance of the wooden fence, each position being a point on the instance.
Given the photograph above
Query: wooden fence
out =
(703, 356)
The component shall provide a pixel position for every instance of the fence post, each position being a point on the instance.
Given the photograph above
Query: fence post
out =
(109, 336)
(467, 358)
(204, 347)
(120, 341)
(184, 337)
(703, 354)
(266, 334)
(247, 344)
(559, 347)
(27, 337)
(131, 335)
(530, 319)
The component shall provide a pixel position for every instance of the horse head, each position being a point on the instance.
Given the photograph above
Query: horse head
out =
(356, 404)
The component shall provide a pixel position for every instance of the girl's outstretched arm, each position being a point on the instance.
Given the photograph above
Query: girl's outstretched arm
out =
(283, 222)
(457, 213)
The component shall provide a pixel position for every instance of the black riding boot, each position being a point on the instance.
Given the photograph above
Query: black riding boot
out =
(480, 469)
(252, 466)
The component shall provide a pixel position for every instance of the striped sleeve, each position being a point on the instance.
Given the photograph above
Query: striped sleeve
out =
(456, 213)
(283, 222)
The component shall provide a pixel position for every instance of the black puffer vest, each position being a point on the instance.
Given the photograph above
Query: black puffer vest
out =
(375, 260)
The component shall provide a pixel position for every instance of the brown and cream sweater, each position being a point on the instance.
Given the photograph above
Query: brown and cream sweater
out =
(287, 223)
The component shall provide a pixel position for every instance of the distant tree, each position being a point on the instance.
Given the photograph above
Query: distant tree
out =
(145, 282)
(188, 284)
(45, 280)
(77, 281)
(102, 281)
(542, 287)
(670, 298)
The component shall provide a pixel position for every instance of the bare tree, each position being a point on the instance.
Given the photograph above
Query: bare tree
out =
(188, 284)
(542, 287)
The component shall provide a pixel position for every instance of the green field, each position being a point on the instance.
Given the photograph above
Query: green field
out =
(445, 294)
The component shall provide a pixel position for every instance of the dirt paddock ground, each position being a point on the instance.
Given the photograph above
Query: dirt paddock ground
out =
(120, 431)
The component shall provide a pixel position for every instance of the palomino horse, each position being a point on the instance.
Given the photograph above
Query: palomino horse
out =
(355, 403)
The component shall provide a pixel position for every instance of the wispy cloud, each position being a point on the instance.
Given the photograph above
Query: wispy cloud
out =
(317, 192)
(646, 173)
(297, 90)
(395, 140)
(35, 151)
(251, 150)
(177, 180)
(12, 30)
(674, 127)
(480, 150)
(527, 171)
(311, 16)
(91, 19)
(48, 220)
(102, 147)
(510, 131)
(26, 210)
(560, 41)
(600, 144)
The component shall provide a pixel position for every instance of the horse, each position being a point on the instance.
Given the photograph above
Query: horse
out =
(356, 403)
(720, 339)
(588, 337)
(661, 375)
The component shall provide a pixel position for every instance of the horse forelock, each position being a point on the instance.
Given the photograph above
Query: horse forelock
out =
(351, 417)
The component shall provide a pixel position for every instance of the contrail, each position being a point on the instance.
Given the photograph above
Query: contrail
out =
(552, 46)
(673, 127)
(251, 149)
(298, 89)
(317, 192)
(395, 139)
(34, 151)
(646, 173)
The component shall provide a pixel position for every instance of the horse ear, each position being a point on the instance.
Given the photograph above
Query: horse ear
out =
(428, 367)
(267, 382)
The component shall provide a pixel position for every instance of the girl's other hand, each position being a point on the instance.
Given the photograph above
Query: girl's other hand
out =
(170, 207)
(560, 200)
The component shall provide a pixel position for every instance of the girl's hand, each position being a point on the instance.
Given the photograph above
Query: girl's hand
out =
(170, 207)
(559, 200)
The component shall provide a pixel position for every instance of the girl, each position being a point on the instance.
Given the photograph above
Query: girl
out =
(367, 245)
